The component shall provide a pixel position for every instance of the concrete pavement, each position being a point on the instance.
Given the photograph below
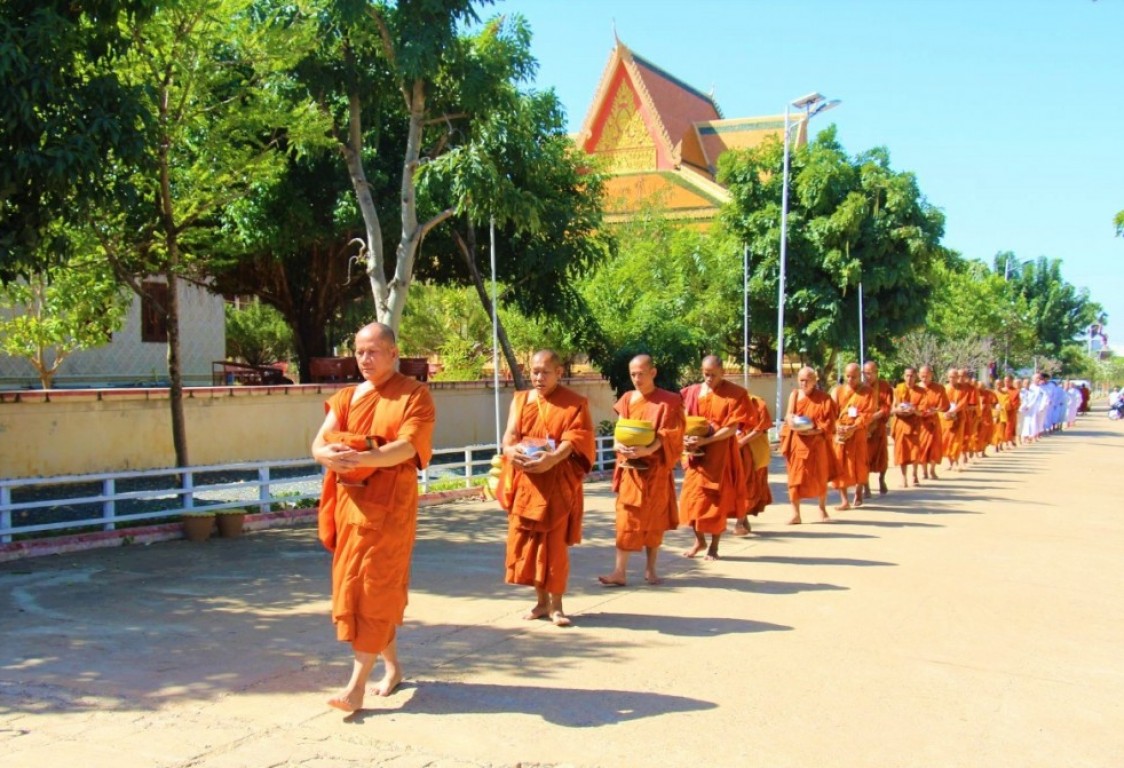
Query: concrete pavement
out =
(975, 621)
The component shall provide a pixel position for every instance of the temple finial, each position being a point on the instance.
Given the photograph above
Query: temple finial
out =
(616, 38)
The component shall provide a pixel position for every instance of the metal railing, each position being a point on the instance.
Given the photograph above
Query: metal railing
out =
(37, 507)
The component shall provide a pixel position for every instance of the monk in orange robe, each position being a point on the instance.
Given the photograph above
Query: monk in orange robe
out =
(374, 439)
(548, 448)
(934, 404)
(1014, 401)
(811, 464)
(854, 402)
(644, 477)
(753, 441)
(987, 400)
(954, 421)
(713, 482)
(877, 440)
(908, 399)
(999, 431)
(971, 445)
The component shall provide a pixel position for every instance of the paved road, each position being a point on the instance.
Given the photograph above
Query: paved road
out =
(978, 621)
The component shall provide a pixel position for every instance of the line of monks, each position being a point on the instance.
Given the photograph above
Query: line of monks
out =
(377, 435)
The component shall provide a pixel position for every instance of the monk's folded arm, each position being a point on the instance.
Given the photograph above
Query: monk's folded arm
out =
(722, 434)
(389, 455)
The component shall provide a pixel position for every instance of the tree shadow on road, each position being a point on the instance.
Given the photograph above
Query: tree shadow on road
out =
(679, 626)
(818, 560)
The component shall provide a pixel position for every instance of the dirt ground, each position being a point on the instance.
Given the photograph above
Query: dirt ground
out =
(975, 621)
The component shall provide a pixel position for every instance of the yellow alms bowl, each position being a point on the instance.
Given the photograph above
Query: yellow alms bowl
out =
(697, 426)
(635, 433)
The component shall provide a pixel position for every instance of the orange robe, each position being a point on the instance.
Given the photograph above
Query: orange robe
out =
(810, 461)
(972, 425)
(999, 432)
(934, 402)
(877, 443)
(954, 430)
(907, 427)
(368, 517)
(714, 483)
(1013, 403)
(757, 493)
(545, 510)
(646, 505)
(854, 407)
(987, 401)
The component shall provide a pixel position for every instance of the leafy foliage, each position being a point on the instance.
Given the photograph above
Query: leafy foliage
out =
(257, 333)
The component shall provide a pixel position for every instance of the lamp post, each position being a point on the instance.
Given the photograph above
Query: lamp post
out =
(862, 346)
(495, 332)
(745, 316)
(812, 104)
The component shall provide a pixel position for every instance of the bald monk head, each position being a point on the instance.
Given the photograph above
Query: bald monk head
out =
(546, 371)
(925, 374)
(954, 376)
(376, 352)
(909, 377)
(712, 371)
(870, 371)
(643, 374)
(806, 379)
(852, 375)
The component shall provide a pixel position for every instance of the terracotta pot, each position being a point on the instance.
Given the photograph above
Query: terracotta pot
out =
(198, 527)
(230, 524)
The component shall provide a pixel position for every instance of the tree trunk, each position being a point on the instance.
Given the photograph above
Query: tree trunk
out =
(468, 251)
(373, 250)
(175, 368)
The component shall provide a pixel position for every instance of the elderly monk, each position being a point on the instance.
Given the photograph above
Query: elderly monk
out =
(713, 481)
(548, 448)
(854, 402)
(908, 399)
(753, 440)
(877, 442)
(933, 404)
(374, 439)
(644, 477)
(955, 420)
(811, 464)
(971, 444)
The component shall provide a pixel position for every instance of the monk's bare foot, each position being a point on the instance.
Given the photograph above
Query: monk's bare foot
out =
(389, 684)
(866, 491)
(712, 554)
(934, 476)
(858, 502)
(693, 550)
(843, 507)
(612, 580)
(652, 578)
(560, 619)
(825, 519)
(883, 489)
(795, 521)
(347, 701)
(538, 612)
(741, 530)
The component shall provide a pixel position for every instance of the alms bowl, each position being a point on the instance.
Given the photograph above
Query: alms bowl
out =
(635, 433)
(697, 426)
(802, 423)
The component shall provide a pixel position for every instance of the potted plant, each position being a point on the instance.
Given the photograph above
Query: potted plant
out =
(230, 522)
(197, 525)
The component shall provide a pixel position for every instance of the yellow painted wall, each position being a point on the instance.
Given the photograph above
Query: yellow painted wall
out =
(83, 431)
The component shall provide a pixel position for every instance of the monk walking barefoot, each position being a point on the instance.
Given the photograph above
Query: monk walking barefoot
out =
(855, 405)
(548, 448)
(644, 478)
(807, 455)
(374, 439)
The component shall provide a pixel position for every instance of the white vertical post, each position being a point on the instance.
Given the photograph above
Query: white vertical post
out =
(745, 316)
(779, 414)
(495, 332)
(264, 493)
(109, 506)
(5, 513)
(862, 346)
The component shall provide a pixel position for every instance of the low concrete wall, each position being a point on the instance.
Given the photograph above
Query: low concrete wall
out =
(64, 432)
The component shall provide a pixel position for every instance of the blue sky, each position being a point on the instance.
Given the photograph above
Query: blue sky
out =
(1009, 112)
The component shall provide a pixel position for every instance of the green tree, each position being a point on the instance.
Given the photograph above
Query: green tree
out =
(850, 221)
(1061, 312)
(49, 315)
(258, 333)
(1119, 222)
(65, 118)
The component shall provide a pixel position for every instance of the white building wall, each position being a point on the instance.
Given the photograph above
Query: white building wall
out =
(127, 360)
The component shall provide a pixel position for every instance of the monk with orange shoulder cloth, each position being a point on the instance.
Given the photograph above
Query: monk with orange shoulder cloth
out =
(714, 480)
(934, 405)
(808, 426)
(753, 440)
(908, 397)
(1014, 400)
(988, 401)
(644, 476)
(854, 402)
(877, 440)
(548, 448)
(374, 439)
(954, 421)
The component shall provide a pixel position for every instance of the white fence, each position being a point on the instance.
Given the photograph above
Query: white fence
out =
(32, 508)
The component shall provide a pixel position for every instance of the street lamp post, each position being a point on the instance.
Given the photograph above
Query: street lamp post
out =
(745, 316)
(812, 104)
(862, 346)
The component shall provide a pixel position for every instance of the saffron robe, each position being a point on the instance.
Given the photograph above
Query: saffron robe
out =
(854, 407)
(755, 457)
(877, 443)
(1014, 400)
(810, 461)
(545, 515)
(934, 402)
(988, 401)
(972, 425)
(714, 483)
(368, 516)
(646, 505)
(954, 429)
(907, 426)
